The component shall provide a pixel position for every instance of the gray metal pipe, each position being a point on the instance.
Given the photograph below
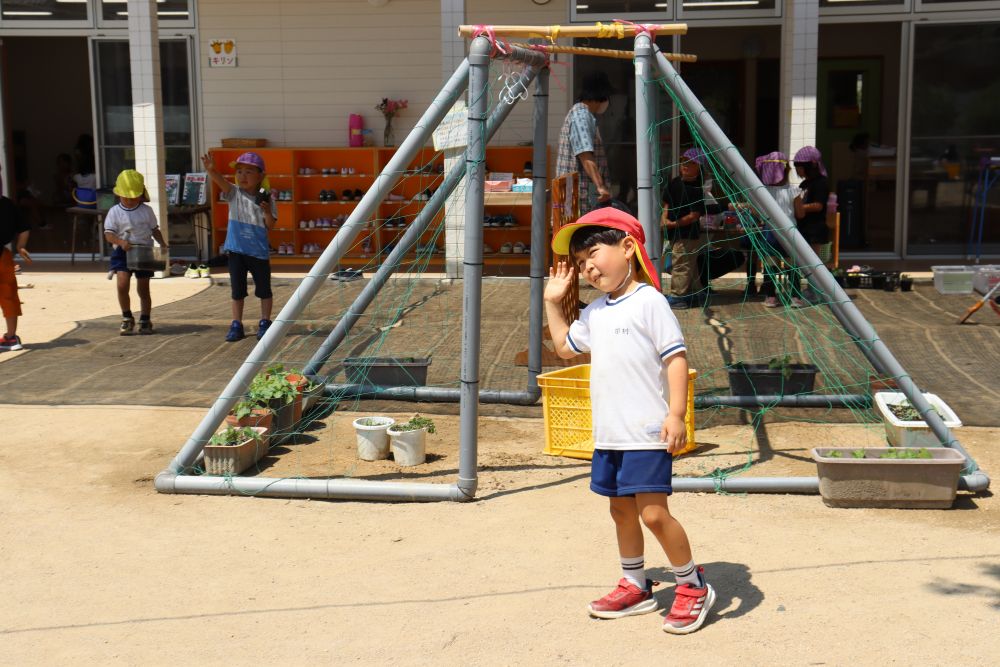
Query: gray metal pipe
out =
(643, 149)
(803, 256)
(406, 242)
(271, 487)
(849, 401)
(432, 394)
(747, 484)
(324, 264)
(539, 229)
(472, 264)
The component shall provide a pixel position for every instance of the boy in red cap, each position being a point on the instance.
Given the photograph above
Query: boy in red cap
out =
(638, 388)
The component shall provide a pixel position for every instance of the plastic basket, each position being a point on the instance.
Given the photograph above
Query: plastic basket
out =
(566, 411)
(953, 279)
(986, 277)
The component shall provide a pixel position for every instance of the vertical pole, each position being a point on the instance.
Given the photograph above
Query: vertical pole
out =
(804, 256)
(643, 147)
(147, 104)
(539, 226)
(472, 263)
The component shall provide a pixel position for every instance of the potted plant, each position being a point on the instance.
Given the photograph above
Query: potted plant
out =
(312, 394)
(373, 441)
(233, 450)
(250, 413)
(905, 283)
(278, 394)
(778, 377)
(904, 426)
(887, 477)
(408, 440)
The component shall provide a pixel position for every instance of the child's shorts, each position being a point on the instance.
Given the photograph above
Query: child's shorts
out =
(120, 263)
(260, 269)
(10, 303)
(616, 473)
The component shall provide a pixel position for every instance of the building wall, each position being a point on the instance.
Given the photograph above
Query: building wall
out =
(304, 66)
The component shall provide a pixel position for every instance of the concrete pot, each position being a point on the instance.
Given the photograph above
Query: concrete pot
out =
(373, 442)
(409, 448)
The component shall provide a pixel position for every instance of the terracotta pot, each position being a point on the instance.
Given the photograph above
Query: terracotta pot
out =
(262, 417)
(300, 382)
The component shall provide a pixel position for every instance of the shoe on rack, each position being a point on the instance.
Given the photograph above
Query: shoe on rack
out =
(145, 327)
(262, 328)
(358, 194)
(203, 271)
(10, 343)
(626, 600)
(518, 248)
(348, 195)
(691, 606)
(235, 332)
(127, 327)
(772, 302)
(506, 248)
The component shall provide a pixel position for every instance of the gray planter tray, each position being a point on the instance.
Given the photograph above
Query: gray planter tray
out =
(890, 483)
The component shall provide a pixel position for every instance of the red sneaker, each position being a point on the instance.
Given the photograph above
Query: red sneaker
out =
(626, 600)
(690, 608)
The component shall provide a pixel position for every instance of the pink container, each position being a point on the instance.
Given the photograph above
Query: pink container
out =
(355, 125)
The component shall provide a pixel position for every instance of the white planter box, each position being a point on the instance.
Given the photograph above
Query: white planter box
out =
(899, 433)
(953, 279)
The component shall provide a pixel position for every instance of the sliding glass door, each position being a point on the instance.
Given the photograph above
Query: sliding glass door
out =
(113, 95)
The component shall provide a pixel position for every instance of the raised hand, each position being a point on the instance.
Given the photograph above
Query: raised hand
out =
(561, 279)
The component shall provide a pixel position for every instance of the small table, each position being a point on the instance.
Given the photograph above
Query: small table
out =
(194, 214)
(97, 220)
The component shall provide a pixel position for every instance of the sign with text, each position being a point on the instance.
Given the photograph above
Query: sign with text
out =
(222, 53)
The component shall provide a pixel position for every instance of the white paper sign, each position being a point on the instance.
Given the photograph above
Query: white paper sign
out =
(453, 132)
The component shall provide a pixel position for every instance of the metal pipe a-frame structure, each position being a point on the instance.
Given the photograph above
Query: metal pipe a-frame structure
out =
(474, 72)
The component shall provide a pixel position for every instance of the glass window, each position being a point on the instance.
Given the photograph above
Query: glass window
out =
(955, 133)
(115, 107)
(43, 10)
(737, 6)
(166, 10)
(588, 10)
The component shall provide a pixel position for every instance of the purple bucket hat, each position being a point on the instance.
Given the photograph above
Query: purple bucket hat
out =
(771, 167)
(811, 154)
(251, 159)
(694, 155)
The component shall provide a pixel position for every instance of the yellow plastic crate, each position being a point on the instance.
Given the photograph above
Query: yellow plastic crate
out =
(566, 408)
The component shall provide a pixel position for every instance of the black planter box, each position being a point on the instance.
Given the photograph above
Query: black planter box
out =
(759, 380)
(387, 371)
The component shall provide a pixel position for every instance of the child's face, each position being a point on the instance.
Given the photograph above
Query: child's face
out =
(800, 170)
(130, 202)
(690, 170)
(605, 266)
(248, 177)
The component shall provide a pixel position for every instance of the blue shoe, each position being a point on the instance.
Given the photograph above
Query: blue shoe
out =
(235, 332)
(262, 328)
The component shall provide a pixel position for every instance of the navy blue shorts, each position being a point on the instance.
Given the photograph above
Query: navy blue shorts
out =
(120, 263)
(616, 473)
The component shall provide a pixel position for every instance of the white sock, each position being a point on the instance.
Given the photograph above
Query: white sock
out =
(687, 574)
(634, 569)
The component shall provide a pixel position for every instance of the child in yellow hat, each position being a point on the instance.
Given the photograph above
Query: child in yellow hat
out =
(128, 223)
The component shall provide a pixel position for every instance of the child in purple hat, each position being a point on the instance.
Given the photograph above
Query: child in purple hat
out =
(252, 214)
(810, 210)
(773, 169)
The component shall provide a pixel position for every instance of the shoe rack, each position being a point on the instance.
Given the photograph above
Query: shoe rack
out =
(316, 189)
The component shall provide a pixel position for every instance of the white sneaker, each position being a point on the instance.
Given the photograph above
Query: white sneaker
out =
(192, 272)
(203, 271)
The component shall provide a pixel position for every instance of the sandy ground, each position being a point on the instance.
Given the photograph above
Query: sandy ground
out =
(98, 568)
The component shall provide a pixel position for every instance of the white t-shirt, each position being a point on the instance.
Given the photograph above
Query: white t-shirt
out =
(628, 339)
(785, 195)
(134, 225)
